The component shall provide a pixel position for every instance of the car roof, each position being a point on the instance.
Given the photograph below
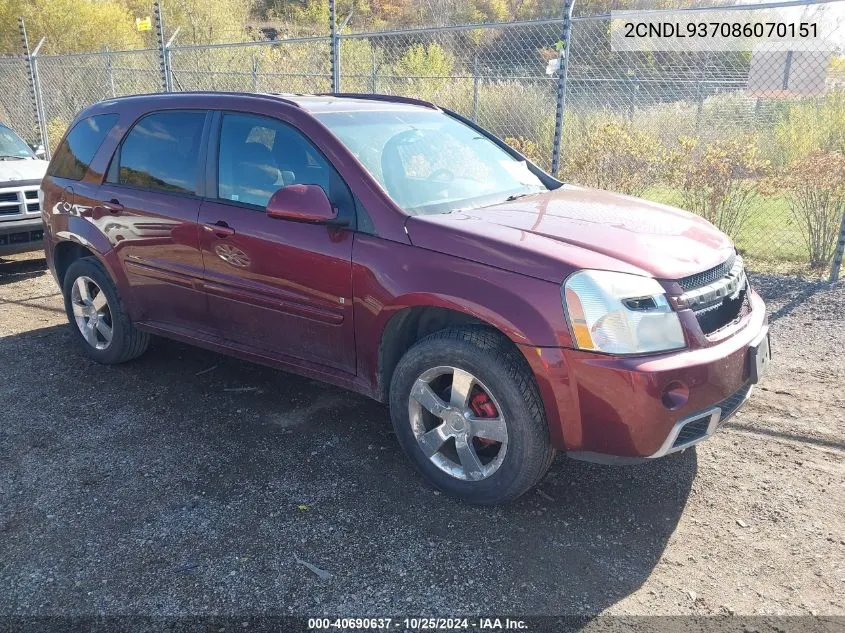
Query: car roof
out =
(312, 103)
(355, 102)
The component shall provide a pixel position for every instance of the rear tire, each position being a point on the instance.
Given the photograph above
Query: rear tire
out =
(97, 316)
(477, 366)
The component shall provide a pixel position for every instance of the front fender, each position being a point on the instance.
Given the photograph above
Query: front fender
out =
(389, 277)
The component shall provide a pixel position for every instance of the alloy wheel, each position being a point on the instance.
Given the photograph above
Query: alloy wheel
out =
(91, 312)
(458, 423)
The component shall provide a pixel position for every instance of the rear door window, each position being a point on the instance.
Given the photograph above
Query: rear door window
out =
(76, 151)
(162, 153)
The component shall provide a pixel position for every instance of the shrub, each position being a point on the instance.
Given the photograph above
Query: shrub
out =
(807, 125)
(527, 148)
(719, 180)
(420, 60)
(55, 131)
(517, 109)
(615, 155)
(815, 188)
(422, 71)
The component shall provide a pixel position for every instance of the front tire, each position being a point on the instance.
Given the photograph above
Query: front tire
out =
(466, 411)
(98, 319)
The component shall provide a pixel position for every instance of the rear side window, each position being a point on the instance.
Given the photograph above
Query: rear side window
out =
(162, 152)
(74, 155)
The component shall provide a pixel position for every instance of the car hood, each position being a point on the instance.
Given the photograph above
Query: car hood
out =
(551, 234)
(12, 171)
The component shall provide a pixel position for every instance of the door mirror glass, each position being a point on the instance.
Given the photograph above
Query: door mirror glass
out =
(301, 203)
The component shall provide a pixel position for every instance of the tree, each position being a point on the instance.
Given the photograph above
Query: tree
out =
(420, 60)
(68, 25)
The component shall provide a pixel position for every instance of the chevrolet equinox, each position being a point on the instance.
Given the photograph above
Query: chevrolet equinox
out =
(397, 249)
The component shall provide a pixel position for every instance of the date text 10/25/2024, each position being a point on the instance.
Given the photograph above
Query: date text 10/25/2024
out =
(418, 624)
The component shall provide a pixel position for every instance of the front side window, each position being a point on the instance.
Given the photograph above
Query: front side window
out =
(76, 152)
(429, 162)
(162, 152)
(258, 156)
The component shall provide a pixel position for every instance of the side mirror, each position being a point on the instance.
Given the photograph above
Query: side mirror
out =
(38, 150)
(301, 203)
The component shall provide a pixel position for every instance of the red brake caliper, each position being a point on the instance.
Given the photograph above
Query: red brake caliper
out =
(483, 407)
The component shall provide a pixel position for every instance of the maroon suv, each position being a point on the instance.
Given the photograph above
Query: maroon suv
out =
(394, 248)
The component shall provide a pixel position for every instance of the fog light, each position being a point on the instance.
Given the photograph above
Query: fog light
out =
(675, 395)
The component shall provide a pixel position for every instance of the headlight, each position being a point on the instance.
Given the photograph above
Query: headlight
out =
(618, 313)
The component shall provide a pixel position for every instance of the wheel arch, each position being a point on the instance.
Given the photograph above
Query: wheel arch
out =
(65, 253)
(70, 246)
(413, 322)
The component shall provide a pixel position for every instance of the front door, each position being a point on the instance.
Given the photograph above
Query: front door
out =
(148, 209)
(282, 289)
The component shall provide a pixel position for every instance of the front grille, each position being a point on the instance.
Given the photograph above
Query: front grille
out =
(718, 296)
(697, 428)
(23, 237)
(18, 201)
(724, 314)
(692, 431)
(708, 276)
(730, 404)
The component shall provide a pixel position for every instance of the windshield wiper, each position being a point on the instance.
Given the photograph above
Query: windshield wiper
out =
(517, 196)
(11, 157)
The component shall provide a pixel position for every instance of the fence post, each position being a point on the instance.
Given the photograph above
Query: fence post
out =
(163, 50)
(254, 73)
(633, 89)
(35, 87)
(334, 47)
(110, 71)
(563, 69)
(475, 88)
(374, 76)
(837, 254)
(699, 103)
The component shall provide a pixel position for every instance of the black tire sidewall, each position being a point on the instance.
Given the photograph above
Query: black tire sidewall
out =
(92, 268)
(527, 436)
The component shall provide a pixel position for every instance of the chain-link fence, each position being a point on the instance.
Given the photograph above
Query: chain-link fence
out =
(16, 109)
(70, 83)
(753, 141)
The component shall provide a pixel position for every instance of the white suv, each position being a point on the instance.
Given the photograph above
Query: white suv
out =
(21, 171)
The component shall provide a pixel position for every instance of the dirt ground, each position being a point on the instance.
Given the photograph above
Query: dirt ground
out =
(190, 483)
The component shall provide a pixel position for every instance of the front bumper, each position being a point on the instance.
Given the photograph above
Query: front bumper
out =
(615, 409)
(21, 236)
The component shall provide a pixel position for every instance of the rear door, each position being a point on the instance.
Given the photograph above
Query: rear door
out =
(280, 288)
(150, 202)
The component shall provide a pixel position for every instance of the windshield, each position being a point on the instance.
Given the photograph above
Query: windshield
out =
(11, 145)
(429, 162)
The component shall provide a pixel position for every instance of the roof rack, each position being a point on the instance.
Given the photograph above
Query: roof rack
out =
(377, 97)
(164, 95)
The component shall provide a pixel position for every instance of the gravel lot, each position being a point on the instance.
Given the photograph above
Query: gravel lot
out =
(191, 483)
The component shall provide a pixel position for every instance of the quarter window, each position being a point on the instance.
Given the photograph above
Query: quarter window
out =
(76, 151)
(259, 156)
(162, 152)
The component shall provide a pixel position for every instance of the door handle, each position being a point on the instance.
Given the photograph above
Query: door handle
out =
(113, 206)
(219, 228)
